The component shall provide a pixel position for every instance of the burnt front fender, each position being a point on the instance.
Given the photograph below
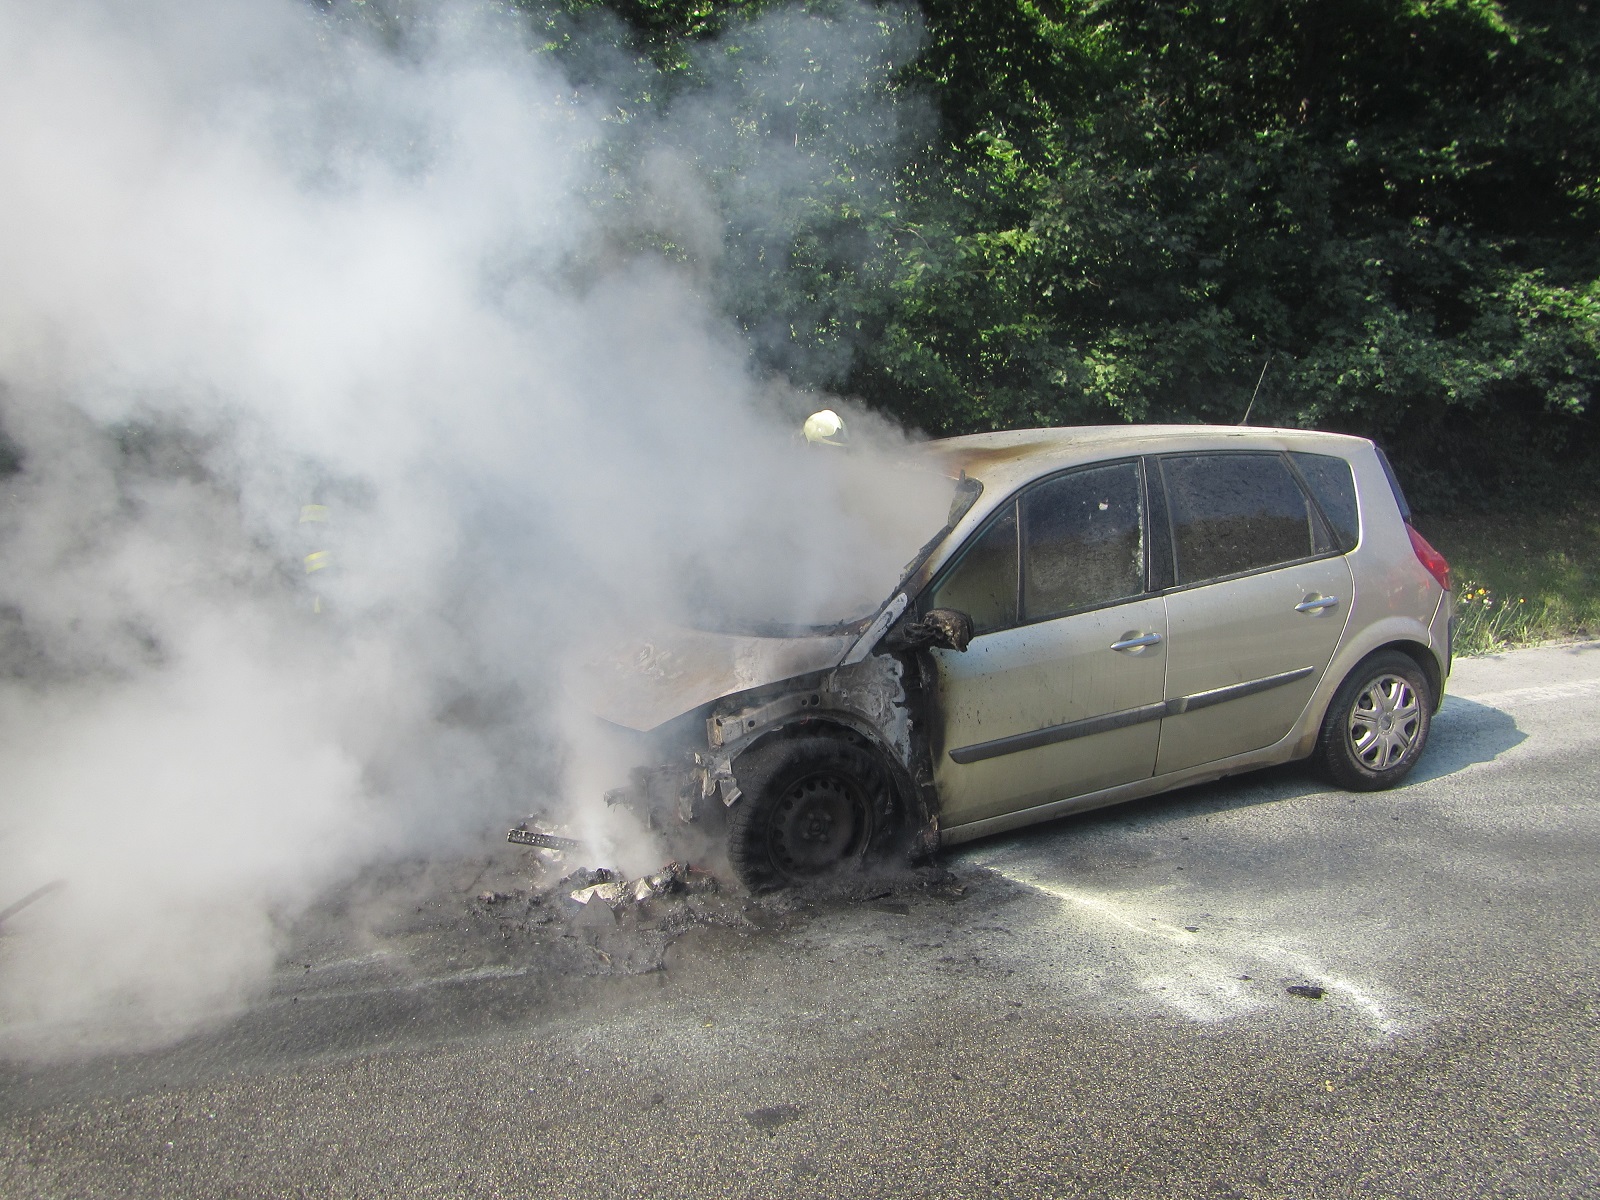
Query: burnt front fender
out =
(875, 701)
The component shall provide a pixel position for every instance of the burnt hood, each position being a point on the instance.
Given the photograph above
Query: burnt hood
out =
(646, 681)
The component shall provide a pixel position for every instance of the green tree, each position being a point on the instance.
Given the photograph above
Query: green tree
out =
(1138, 203)
(1068, 211)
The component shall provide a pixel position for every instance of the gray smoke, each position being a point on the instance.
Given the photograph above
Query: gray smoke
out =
(273, 285)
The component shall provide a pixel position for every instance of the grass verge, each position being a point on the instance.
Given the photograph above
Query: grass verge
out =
(1521, 576)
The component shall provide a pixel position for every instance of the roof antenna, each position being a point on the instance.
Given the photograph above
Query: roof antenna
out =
(1245, 420)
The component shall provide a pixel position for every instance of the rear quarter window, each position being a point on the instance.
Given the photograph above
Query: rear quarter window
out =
(1394, 484)
(1334, 486)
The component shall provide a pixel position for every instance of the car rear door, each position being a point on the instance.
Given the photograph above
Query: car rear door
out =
(1061, 690)
(1262, 597)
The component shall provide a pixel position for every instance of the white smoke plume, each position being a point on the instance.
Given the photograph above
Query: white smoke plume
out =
(272, 285)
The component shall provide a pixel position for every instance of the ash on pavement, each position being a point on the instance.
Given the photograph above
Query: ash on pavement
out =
(513, 912)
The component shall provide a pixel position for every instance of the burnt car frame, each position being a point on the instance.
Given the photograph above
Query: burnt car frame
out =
(1109, 613)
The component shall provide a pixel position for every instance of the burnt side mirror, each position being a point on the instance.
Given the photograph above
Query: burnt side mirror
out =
(945, 628)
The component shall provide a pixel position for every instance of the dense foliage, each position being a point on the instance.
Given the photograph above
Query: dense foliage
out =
(1107, 210)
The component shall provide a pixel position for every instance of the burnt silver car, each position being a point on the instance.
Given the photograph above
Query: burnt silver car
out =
(1108, 613)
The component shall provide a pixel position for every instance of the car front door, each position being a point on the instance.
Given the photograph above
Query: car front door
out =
(1262, 598)
(1061, 690)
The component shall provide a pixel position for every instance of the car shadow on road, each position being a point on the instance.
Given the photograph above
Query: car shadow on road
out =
(1464, 734)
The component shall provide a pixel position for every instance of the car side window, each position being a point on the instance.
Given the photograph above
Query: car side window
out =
(1082, 543)
(1237, 512)
(1333, 484)
(984, 582)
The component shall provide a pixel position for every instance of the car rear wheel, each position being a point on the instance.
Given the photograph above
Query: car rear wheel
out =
(1378, 723)
(812, 806)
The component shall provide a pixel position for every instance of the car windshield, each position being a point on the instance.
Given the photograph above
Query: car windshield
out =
(827, 564)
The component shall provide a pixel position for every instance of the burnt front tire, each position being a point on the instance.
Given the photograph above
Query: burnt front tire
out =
(811, 807)
(1377, 726)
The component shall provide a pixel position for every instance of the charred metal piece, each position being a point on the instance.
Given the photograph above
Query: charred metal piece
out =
(614, 891)
(523, 836)
(671, 787)
(943, 627)
(868, 698)
(874, 632)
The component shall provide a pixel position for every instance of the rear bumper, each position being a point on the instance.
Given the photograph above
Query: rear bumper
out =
(1442, 636)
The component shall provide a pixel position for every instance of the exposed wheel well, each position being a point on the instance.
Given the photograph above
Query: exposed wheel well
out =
(1426, 663)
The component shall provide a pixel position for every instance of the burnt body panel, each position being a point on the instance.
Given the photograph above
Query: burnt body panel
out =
(652, 680)
(876, 702)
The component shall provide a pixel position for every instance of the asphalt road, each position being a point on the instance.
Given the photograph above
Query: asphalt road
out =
(1098, 1007)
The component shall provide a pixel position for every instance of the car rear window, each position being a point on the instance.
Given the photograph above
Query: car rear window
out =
(1233, 513)
(1332, 483)
(1081, 543)
(1394, 485)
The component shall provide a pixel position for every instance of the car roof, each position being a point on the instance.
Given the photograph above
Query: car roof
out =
(1002, 461)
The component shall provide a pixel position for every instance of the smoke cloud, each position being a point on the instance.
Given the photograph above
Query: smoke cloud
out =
(278, 283)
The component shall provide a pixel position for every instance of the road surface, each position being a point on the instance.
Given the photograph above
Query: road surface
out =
(1098, 1007)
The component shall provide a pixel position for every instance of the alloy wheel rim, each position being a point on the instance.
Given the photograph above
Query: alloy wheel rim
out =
(1385, 722)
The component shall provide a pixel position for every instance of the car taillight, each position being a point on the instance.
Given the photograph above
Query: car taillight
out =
(1430, 558)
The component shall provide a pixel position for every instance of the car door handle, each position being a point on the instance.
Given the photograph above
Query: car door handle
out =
(1316, 603)
(1149, 639)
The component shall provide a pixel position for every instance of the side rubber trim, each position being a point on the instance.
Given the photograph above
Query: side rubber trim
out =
(1051, 734)
(1122, 719)
(1236, 691)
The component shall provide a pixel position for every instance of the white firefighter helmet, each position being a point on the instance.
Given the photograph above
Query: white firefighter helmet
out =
(825, 428)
